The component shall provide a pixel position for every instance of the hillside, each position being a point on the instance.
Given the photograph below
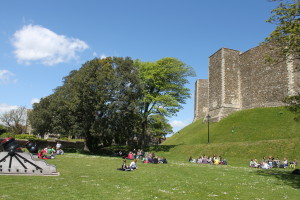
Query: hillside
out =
(242, 135)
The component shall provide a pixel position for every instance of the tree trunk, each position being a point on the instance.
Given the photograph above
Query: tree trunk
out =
(143, 140)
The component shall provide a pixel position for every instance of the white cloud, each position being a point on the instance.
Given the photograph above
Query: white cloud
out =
(103, 56)
(36, 43)
(34, 100)
(5, 76)
(5, 108)
(179, 124)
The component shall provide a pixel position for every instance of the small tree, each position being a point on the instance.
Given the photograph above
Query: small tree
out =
(294, 105)
(15, 120)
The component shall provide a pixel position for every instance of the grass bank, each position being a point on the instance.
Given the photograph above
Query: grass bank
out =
(241, 136)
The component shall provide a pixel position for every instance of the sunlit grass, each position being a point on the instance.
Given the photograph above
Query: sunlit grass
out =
(241, 136)
(95, 177)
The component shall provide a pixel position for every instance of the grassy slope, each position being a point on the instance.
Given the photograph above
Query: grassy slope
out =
(241, 136)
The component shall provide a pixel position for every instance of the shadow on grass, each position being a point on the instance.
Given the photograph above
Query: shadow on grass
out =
(113, 151)
(286, 176)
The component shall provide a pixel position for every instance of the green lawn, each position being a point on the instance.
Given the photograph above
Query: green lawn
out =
(95, 177)
(240, 137)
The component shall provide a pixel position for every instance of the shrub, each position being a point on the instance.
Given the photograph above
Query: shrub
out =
(26, 136)
(6, 135)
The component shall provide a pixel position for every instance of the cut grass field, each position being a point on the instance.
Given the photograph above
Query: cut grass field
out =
(95, 177)
(239, 137)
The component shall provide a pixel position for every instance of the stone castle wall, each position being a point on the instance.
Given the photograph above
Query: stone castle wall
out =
(243, 81)
(263, 84)
(215, 83)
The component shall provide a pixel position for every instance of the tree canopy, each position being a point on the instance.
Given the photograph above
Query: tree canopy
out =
(109, 101)
(164, 89)
(287, 32)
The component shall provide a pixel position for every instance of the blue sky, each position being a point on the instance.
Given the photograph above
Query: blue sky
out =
(42, 41)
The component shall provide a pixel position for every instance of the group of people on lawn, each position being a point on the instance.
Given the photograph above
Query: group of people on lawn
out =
(147, 157)
(132, 166)
(213, 160)
(272, 163)
(144, 157)
(50, 152)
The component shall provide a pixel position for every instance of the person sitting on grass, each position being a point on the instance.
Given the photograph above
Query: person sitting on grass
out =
(163, 160)
(124, 167)
(251, 164)
(223, 161)
(130, 156)
(265, 165)
(41, 155)
(150, 159)
(204, 159)
(216, 161)
(133, 165)
(155, 160)
(293, 164)
(208, 160)
(285, 162)
(276, 162)
(145, 160)
(199, 160)
(270, 161)
(254, 163)
(50, 150)
(60, 152)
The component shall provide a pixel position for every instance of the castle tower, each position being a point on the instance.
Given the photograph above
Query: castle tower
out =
(224, 83)
(201, 99)
(245, 81)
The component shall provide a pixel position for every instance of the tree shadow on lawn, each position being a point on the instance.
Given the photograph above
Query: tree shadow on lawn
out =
(112, 151)
(286, 176)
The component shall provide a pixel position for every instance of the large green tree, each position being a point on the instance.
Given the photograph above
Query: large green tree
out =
(286, 36)
(98, 102)
(164, 89)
